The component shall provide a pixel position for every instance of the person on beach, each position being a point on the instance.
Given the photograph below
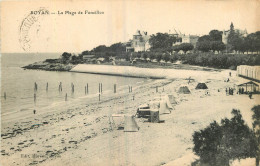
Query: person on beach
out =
(34, 111)
(35, 86)
(226, 91)
(228, 80)
(250, 95)
(230, 74)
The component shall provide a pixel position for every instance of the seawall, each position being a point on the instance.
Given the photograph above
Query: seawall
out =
(127, 71)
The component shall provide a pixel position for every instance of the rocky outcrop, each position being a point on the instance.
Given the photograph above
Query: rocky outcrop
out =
(53, 66)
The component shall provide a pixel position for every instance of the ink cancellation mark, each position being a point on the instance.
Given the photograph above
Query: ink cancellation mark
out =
(24, 37)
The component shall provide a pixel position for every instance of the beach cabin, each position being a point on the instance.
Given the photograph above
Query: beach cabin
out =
(249, 87)
(249, 72)
(100, 60)
(88, 58)
(148, 60)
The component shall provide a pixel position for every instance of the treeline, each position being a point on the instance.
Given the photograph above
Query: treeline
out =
(223, 61)
(209, 59)
(208, 51)
(115, 50)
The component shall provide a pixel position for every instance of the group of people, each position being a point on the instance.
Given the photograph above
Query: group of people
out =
(229, 91)
(241, 90)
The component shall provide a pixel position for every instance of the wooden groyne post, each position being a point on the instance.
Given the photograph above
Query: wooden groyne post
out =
(5, 95)
(66, 97)
(87, 88)
(35, 86)
(99, 97)
(60, 87)
(130, 88)
(72, 87)
(114, 88)
(156, 89)
(47, 86)
(101, 87)
(34, 97)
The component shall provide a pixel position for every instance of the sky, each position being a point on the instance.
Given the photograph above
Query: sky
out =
(79, 32)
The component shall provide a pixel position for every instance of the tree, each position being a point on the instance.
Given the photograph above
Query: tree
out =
(234, 38)
(158, 56)
(65, 57)
(217, 46)
(185, 47)
(236, 41)
(166, 57)
(257, 41)
(145, 55)
(253, 41)
(215, 35)
(74, 59)
(218, 144)
(161, 41)
(176, 48)
(256, 127)
(231, 33)
(118, 47)
(204, 38)
(203, 46)
(101, 48)
(85, 52)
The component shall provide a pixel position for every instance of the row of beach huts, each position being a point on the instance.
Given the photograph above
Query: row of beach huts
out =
(249, 72)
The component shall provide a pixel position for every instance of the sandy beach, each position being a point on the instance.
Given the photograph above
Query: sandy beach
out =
(81, 132)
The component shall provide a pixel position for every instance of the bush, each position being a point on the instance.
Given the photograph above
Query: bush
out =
(256, 126)
(217, 144)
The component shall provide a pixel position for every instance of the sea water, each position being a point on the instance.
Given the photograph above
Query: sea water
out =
(18, 84)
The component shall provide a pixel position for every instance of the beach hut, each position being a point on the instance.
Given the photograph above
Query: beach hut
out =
(163, 105)
(201, 86)
(88, 58)
(148, 60)
(249, 72)
(130, 124)
(250, 86)
(100, 60)
(184, 90)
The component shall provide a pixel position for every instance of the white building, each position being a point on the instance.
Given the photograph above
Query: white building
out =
(140, 42)
(182, 38)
